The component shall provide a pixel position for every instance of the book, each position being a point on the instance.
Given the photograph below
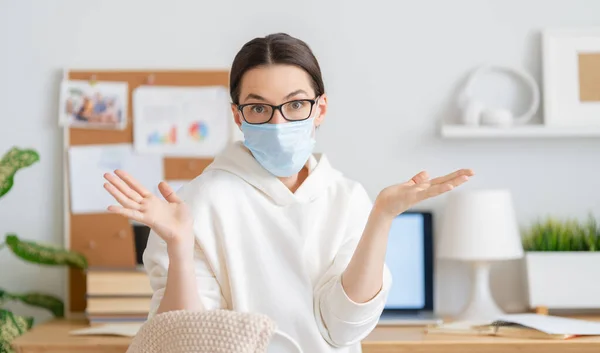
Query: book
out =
(527, 325)
(493, 329)
(118, 283)
(115, 318)
(124, 305)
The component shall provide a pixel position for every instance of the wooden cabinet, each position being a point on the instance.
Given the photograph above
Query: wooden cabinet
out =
(105, 239)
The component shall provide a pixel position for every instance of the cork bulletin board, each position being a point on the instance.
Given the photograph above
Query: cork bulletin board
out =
(106, 239)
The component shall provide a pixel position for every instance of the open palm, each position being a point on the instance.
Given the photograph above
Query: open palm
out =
(170, 218)
(398, 198)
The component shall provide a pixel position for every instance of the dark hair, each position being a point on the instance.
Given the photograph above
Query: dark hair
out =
(278, 48)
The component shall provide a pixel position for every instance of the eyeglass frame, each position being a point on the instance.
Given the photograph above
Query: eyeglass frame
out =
(314, 101)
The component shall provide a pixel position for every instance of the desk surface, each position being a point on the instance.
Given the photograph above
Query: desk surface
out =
(53, 337)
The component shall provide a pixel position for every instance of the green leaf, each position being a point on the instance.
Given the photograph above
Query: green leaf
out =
(45, 301)
(562, 235)
(53, 304)
(11, 162)
(44, 254)
(5, 296)
(11, 327)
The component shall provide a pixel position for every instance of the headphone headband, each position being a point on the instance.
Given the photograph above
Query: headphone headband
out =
(522, 74)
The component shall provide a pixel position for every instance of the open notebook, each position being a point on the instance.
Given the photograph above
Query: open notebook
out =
(522, 326)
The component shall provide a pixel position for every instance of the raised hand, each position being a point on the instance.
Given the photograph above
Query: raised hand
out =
(398, 198)
(170, 218)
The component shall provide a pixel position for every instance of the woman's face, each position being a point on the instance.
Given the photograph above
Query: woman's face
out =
(278, 84)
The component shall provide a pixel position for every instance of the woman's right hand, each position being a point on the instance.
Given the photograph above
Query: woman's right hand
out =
(169, 218)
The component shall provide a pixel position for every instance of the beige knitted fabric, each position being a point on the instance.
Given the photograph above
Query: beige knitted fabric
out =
(215, 331)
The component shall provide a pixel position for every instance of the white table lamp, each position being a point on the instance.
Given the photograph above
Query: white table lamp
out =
(480, 227)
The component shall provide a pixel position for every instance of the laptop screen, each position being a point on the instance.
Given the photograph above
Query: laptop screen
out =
(406, 260)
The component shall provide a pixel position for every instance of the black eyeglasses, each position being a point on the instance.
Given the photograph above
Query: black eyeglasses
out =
(262, 113)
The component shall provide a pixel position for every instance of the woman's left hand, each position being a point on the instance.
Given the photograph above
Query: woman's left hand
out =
(398, 198)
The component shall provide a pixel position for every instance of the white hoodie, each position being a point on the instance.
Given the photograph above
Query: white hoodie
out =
(262, 248)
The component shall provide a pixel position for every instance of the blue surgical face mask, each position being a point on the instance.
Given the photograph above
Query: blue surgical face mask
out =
(282, 149)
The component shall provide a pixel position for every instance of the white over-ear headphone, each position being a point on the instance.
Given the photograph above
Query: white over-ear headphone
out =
(474, 112)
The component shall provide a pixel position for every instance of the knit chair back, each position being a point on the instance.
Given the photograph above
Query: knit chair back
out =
(215, 331)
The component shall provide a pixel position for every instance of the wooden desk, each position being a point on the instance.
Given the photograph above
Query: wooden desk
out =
(53, 337)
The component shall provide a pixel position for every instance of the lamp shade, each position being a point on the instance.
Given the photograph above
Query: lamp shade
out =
(479, 225)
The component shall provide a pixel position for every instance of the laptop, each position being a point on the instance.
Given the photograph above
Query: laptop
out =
(409, 258)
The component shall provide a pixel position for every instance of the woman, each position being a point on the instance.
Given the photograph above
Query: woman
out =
(269, 227)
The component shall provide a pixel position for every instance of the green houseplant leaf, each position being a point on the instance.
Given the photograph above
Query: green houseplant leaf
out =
(11, 162)
(49, 302)
(44, 254)
(562, 235)
(11, 327)
(3, 296)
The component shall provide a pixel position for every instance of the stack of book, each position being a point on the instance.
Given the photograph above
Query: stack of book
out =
(117, 296)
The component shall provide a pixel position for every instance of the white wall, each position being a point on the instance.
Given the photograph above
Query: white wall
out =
(391, 68)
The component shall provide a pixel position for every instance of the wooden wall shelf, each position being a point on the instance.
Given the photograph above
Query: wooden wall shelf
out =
(529, 131)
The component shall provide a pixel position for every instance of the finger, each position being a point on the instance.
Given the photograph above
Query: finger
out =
(168, 193)
(422, 186)
(458, 180)
(129, 213)
(436, 190)
(120, 197)
(123, 187)
(134, 184)
(422, 191)
(447, 178)
(428, 190)
(419, 178)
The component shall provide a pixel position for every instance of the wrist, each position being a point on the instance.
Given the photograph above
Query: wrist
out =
(379, 224)
(178, 250)
(381, 218)
(380, 213)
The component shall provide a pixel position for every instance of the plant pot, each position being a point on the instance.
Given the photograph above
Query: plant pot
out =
(563, 280)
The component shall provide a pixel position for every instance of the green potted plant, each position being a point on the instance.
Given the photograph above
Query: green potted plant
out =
(562, 258)
(11, 325)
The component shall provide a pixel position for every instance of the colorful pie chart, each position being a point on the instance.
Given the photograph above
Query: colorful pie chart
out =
(198, 131)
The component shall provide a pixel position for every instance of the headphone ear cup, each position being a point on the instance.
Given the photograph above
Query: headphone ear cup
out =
(471, 113)
(497, 117)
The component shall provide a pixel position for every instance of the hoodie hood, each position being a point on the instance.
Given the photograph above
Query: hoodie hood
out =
(238, 160)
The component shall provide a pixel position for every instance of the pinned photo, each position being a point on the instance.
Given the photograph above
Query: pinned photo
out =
(95, 105)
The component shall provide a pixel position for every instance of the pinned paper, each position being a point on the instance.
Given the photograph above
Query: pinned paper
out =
(181, 121)
(87, 165)
(93, 105)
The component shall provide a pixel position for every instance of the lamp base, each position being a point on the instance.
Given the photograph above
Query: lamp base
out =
(482, 306)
